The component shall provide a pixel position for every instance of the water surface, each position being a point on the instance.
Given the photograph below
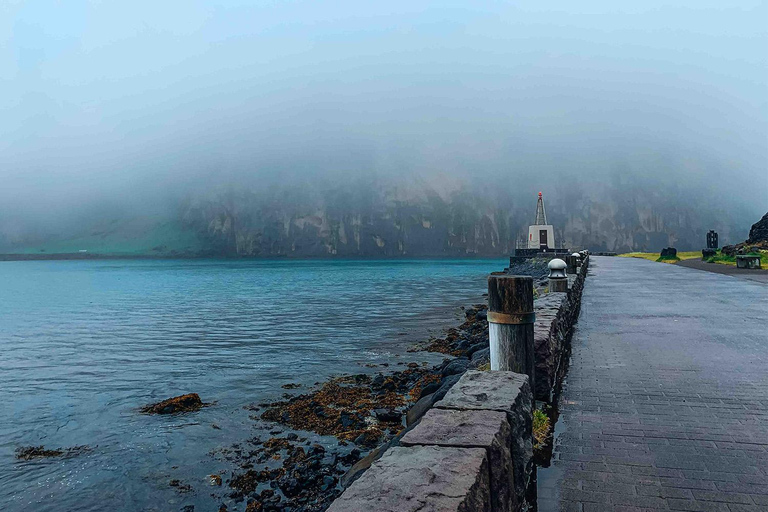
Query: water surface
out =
(85, 343)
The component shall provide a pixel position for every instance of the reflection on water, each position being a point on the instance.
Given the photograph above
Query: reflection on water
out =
(84, 343)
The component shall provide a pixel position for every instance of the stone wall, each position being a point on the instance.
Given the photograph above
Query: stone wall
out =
(472, 451)
(556, 316)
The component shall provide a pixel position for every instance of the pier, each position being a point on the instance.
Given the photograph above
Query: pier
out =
(665, 405)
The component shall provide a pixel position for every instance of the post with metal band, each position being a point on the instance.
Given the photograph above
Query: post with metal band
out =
(510, 323)
(573, 261)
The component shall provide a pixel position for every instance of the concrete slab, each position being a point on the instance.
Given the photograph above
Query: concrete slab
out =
(503, 391)
(473, 429)
(423, 479)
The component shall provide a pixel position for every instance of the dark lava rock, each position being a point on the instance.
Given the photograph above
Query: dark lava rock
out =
(481, 354)
(292, 437)
(316, 449)
(446, 385)
(352, 457)
(355, 471)
(377, 382)
(36, 452)
(180, 486)
(534, 267)
(669, 252)
(40, 452)
(420, 408)
(429, 389)
(183, 403)
(482, 314)
(188, 508)
(328, 483)
(759, 231)
(389, 415)
(289, 485)
(757, 241)
(474, 348)
(348, 420)
(456, 367)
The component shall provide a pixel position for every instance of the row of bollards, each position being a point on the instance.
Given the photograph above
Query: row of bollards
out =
(511, 315)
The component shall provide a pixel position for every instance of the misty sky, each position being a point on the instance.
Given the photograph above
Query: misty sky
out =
(101, 99)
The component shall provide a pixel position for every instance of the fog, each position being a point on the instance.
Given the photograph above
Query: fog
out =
(129, 106)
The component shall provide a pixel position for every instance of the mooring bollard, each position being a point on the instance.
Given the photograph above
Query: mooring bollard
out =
(573, 262)
(558, 280)
(510, 323)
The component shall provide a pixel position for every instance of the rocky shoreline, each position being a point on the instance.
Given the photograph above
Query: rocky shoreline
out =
(322, 439)
(362, 414)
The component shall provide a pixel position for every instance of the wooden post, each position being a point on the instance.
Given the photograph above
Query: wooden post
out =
(510, 323)
(558, 285)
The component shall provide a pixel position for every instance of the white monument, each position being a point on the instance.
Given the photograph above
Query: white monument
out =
(541, 235)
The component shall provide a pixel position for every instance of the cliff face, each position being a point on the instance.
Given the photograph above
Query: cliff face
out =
(436, 218)
(343, 223)
(242, 225)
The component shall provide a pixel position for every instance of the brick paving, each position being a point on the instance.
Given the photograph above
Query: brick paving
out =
(665, 406)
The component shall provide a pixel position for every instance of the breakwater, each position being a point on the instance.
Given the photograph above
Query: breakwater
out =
(473, 451)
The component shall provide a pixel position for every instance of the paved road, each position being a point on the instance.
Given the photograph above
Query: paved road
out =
(666, 401)
(743, 273)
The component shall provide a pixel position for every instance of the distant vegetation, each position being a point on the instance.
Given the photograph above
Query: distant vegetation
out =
(725, 259)
(654, 256)
(721, 258)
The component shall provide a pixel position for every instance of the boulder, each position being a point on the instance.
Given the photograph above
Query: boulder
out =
(474, 348)
(429, 389)
(669, 252)
(418, 409)
(456, 367)
(481, 354)
(363, 464)
(759, 231)
(183, 403)
(388, 415)
(446, 384)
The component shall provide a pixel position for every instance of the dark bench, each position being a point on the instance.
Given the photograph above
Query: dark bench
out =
(747, 261)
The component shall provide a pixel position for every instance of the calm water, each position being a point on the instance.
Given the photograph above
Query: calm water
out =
(85, 343)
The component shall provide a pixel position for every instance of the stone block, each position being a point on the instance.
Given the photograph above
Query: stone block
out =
(508, 392)
(473, 429)
(421, 478)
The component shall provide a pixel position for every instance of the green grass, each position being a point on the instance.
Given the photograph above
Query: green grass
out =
(724, 259)
(654, 256)
(542, 429)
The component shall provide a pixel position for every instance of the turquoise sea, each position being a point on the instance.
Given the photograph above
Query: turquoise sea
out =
(84, 344)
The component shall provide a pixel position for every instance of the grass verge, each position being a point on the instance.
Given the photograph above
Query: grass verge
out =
(654, 256)
(724, 259)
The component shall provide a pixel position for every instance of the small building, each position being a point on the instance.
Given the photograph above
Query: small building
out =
(541, 235)
(540, 242)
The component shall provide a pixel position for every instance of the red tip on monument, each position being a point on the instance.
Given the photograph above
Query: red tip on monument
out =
(539, 194)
